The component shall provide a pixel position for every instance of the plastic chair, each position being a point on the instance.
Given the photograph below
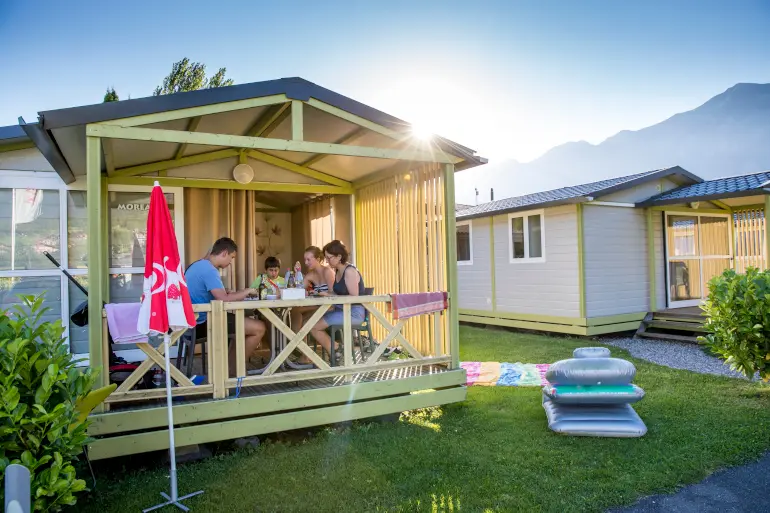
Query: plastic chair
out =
(186, 352)
(84, 408)
(358, 330)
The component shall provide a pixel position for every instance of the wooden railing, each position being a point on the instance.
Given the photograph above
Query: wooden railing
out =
(277, 370)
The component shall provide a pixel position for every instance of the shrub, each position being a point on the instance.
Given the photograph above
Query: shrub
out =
(40, 386)
(738, 321)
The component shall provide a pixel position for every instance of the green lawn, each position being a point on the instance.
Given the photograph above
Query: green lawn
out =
(491, 453)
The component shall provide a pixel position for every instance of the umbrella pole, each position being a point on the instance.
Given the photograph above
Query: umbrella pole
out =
(174, 499)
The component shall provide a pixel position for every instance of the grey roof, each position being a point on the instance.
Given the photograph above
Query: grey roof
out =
(294, 88)
(12, 133)
(461, 206)
(573, 194)
(730, 187)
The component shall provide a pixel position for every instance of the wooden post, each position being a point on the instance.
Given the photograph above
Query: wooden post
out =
(95, 277)
(651, 261)
(217, 342)
(240, 344)
(581, 262)
(297, 121)
(451, 263)
(347, 335)
(767, 232)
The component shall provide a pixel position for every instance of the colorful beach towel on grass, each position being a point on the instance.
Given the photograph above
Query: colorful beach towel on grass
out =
(496, 374)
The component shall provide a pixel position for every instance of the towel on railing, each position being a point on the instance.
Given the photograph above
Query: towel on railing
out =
(404, 306)
(121, 321)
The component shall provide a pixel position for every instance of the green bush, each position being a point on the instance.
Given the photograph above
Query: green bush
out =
(738, 321)
(40, 386)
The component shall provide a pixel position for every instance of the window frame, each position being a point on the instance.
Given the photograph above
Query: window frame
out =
(525, 217)
(46, 180)
(469, 224)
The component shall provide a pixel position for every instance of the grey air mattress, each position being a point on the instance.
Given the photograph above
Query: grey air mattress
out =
(609, 420)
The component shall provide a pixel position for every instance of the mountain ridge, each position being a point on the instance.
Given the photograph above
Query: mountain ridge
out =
(727, 135)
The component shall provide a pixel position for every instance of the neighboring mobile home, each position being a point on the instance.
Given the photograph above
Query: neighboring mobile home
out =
(598, 258)
(76, 184)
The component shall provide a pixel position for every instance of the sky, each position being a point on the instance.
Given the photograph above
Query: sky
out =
(510, 79)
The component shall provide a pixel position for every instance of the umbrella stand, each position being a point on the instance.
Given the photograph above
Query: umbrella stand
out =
(174, 499)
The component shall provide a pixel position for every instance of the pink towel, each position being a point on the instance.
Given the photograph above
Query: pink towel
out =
(404, 306)
(121, 321)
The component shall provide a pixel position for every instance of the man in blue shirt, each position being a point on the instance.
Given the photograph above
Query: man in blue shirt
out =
(205, 285)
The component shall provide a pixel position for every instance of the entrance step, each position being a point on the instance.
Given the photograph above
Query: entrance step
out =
(681, 326)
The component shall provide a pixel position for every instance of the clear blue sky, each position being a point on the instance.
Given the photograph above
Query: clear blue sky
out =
(508, 78)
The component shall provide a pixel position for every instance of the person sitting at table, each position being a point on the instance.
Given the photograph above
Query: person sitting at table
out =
(318, 278)
(271, 279)
(205, 285)
(347, 282)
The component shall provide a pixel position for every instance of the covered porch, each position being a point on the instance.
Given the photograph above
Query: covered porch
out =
(694, 234)
(333, 168)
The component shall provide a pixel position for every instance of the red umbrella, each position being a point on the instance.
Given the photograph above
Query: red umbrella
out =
(165, 305)
(166, 300)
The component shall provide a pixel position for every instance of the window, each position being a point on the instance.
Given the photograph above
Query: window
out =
(38, 213)
(527, 237)
(464, 243)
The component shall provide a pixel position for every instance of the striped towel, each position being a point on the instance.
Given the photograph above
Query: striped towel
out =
(491, 374)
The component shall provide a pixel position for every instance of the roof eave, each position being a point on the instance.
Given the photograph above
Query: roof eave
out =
(49, 149)
(674, 201)
(525, 208)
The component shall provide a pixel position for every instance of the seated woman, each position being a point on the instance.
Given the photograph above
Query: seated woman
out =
(319, 278)
(347, 282)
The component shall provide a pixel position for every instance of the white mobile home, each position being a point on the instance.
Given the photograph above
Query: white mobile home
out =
(602, 257)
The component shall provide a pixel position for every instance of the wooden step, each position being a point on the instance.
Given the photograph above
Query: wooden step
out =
(678, 317)
(678, 325)
(666, 336)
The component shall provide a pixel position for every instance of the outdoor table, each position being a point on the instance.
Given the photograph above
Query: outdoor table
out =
(278, 342)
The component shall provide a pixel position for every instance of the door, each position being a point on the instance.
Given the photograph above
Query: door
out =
(698, 248)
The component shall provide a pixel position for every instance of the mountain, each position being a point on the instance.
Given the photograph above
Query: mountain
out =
(727, 135)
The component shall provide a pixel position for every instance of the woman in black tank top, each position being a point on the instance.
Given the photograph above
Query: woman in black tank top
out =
(347, 282)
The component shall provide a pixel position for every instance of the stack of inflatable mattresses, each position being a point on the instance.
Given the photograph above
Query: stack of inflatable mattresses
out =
(591, 395)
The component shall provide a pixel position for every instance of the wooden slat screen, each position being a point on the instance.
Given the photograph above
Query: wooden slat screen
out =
(749, 229)
(401, 243)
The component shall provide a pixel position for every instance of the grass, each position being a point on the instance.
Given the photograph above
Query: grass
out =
(490, 453)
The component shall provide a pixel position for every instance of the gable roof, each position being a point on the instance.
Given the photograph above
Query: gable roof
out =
(572, 194)
(461, 206)
(730, 187)
(295, 88)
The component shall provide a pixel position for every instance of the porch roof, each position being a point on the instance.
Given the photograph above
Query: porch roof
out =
(573, 194)
(721, 188)
(255, 110)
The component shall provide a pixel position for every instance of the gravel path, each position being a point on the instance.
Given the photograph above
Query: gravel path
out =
(673, 354)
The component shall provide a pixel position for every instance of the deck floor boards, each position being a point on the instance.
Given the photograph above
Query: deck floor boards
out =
(296, 386)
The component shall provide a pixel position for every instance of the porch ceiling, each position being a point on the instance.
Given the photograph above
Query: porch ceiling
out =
(321, 120)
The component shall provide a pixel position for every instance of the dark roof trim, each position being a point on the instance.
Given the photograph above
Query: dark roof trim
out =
(526, 208)
(662, 173)
(294, 88)
(652, 202)
(49, 150)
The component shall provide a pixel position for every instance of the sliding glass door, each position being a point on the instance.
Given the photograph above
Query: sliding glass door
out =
(698, 248)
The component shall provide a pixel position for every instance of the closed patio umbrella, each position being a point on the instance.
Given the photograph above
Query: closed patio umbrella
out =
(165, 306)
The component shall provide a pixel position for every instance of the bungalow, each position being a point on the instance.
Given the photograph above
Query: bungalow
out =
(277, 166)
(603, 257)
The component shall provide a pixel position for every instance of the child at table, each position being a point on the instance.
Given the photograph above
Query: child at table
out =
(272, 279)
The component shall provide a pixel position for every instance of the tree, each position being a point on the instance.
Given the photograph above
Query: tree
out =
(111, 95)
(191, 76)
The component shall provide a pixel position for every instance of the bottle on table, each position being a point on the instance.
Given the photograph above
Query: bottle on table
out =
(299, 280)
(290, 283)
